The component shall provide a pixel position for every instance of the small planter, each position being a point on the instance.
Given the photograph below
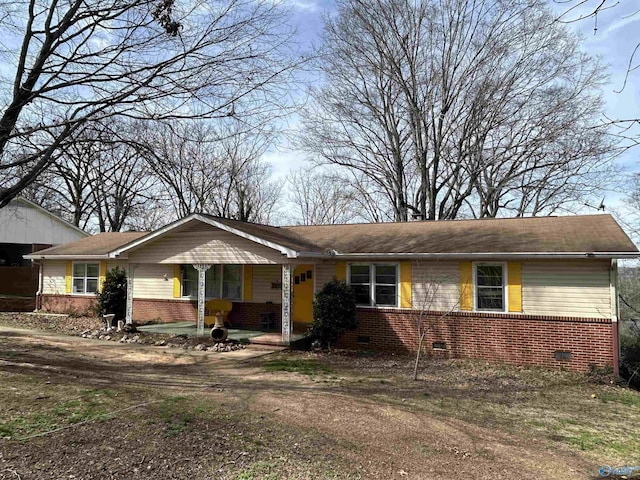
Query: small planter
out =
(108, 319)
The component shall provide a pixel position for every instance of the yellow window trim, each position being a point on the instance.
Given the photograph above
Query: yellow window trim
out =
(405, 284)
(514, 278)
(466, 286)
(177, 281)
(103, 275)
(341, 271)
(68, 279)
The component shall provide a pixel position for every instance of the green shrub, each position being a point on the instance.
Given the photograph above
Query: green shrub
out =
(630, 352)
(113, 297)
(334, 312)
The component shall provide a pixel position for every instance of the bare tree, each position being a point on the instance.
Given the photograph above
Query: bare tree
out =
(320, 197)
(82, 61)
(603, 13)
(98, 181)
(429, 306)
(458, 108)
(212, 170)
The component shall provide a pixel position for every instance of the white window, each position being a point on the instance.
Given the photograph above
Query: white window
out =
(221, 281)
(489, 283)
(375, 284)
(85, 277)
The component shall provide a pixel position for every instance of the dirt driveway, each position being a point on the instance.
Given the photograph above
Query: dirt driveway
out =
(209, 415)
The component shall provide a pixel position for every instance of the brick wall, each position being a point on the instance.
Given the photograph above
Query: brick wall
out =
(514, 339)
(242, 315)
(72, 304)
(509, 338)
(145, 310)
(247, 315)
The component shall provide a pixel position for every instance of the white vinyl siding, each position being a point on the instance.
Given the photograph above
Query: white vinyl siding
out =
(264, 276)
(325, 271)
(436, 285)
(204, 244)
(54, 275)
(153, 281)
(567, 288)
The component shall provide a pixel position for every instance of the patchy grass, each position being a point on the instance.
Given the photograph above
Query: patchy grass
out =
(309, 367)
(52, 409)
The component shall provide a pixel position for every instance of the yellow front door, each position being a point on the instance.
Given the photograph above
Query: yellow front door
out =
(303, 279)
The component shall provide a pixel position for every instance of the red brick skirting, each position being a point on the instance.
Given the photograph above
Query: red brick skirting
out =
(145, 310)
(550, 341)
(76, 305)
(247, 315)
(514, 339)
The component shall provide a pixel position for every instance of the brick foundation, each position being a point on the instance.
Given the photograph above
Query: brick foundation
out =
(145, 310)
(72, 304)
(514, 339)
(247, 315)
(509, 338)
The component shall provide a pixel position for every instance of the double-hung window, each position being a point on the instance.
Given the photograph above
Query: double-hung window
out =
(375, 284)
(85, 277)
(221, 281)
(490, 287)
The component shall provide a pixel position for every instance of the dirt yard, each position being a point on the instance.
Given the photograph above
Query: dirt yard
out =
(78, 408)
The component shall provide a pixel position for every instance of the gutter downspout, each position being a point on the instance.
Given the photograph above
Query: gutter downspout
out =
(40, 286)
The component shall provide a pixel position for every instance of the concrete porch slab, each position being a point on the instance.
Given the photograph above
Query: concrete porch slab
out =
(245, 336)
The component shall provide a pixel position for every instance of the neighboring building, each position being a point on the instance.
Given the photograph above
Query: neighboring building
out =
(536, 291)
(26, 228)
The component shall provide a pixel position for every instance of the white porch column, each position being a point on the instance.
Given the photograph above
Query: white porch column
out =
(130, 276)
(202, 270)
(287, 271)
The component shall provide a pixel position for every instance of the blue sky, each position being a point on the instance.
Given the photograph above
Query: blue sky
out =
(614, 40)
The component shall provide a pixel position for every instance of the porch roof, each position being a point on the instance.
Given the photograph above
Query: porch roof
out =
(570, 236)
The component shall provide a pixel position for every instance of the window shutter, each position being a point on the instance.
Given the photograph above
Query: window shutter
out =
(103, 275)
(341, 271)
(405, 284)
(514, 277)
(177, 281)
(466, 286)
(247, 291)
(68, 279)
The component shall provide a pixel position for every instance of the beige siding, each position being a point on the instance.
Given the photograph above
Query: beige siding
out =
(567, 288)
(325, 271)
(122, 265)
(153, 281)
(263, 278)
(204, 244)
(53, 277)
(436, 285)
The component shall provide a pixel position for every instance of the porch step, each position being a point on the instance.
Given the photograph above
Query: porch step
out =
(275, 339)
